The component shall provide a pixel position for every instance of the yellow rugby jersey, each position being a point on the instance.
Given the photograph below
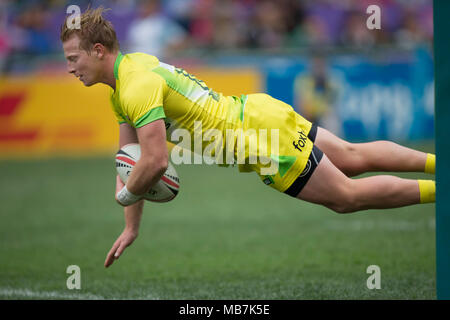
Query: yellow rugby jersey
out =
(148, 90)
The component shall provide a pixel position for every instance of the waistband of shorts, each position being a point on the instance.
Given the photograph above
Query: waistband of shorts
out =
(313, 133)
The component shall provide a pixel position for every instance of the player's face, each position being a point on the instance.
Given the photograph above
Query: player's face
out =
(86, 67)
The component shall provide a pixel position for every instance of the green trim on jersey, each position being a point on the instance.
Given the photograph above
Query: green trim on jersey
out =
(185, 84)
(168, 76)
(243, 102)
(152, 115)
(116, 65)
(186, 88)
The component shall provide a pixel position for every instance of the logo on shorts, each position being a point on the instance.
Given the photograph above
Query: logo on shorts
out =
(268, 180)
(301, 142)
(307, 168)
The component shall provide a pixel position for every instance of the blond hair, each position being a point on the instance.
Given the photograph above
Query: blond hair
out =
(94, 28)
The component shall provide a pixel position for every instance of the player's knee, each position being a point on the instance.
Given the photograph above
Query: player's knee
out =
(344, 207)
(345, 202)
(354, 160)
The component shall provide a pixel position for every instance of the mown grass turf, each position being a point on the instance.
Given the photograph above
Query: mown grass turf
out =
(226, 236)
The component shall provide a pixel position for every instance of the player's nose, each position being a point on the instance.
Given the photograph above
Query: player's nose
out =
(70, 69)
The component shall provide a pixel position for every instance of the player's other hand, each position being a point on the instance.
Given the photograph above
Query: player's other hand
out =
(124, 240)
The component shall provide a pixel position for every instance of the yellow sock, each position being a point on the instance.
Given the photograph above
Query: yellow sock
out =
(427, 190)
(430, 165)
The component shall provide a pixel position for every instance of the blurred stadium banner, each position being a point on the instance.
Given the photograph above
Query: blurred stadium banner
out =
(43, 114)
(54, 114)
(360, 98)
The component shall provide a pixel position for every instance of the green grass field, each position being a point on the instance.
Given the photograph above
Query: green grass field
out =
(226, 236)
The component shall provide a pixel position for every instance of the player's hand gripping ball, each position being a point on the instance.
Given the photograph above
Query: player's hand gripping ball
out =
(164, 190)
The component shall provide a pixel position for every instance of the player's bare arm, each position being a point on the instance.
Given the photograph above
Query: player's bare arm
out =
(153, 162)
(132, 213)
(154, 157)
(127, 135)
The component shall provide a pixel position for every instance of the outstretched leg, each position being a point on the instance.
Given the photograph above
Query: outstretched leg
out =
(332, 188)
(356, 158)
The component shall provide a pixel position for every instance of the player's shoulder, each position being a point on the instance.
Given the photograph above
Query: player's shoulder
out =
(137, 65)
(136, 72)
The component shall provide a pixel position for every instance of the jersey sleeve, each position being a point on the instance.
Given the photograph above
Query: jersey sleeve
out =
(143, 98)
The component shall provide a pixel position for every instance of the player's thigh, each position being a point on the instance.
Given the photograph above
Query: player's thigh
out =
(343, 154)
(328, 186)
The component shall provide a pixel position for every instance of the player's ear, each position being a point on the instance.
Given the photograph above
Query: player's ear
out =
(99, 50)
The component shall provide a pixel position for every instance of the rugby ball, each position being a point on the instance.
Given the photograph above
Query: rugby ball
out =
(163, 191)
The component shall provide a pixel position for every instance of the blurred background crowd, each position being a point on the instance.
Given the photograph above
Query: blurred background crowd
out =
(318, 56)
(169, 27)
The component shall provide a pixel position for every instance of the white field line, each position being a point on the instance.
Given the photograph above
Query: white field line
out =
(16, 293)
(30, 294)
